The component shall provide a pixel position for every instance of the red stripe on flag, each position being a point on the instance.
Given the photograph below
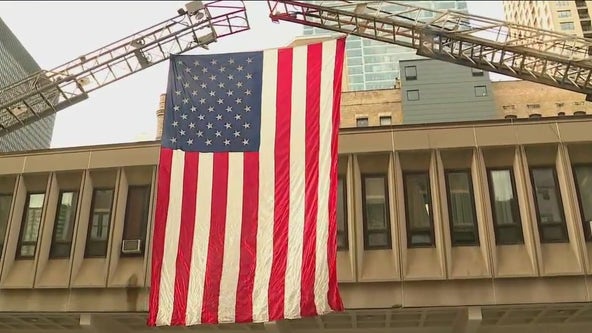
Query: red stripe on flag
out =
(333, 296)
(214, 261)
(183, 266)
(311, 205)
(248, 244)
(282, 185)
(160, 217)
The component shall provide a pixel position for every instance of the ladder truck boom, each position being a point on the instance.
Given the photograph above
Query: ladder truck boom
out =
(552, 58)
(48, 91)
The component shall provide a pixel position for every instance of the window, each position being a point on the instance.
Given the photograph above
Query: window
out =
(418, 209)
(385, 120)
(362, 122)
(356, 70)
(561, 3)
(377, 234)
(444, 5)
(342, 238)
(357, 61)
(136, 214)
(504, 205)
(583, 177)
(413, 95)
(98, 226)
(63, 227)
(480, 91)
(548, 204)
(567, 25)
(461, 208)
(5, 202)
(477, 72)
(533, 106)
(410, 73)
(354, 53)
(30, 225)
(564, 13)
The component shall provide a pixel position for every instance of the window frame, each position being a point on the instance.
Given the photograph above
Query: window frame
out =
(90, 219)
(408, 230)
(345, 231)
(366, 232)
(55, 223)
(515, 212)
(18, 255)
(484, 89)
(358, 119)
(475, 225)
(410, 77)
(570, 28)
(585, 225)
(412, 90)
(563, 11)
(476, 72)
(560, 203)
(146, 215)
(390, 119)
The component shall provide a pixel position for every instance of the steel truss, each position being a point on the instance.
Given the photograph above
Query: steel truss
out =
(47, 92)
(547, 57)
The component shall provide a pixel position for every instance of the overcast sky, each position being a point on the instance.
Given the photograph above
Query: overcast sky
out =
(55, 32)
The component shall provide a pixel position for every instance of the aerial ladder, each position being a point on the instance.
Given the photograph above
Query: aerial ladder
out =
(552, 58)
(49, 91)
(546, 57)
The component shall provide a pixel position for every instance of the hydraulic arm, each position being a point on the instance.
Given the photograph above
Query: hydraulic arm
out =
(547, 57)
(47, 92)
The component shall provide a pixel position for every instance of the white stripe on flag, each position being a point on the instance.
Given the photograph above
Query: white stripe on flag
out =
(297, 179)
(201, 234)
(267, 186)
(326, 132)
(171, 245)
(232, 239)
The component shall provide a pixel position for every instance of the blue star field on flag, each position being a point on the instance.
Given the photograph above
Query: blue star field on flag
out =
(215, 104)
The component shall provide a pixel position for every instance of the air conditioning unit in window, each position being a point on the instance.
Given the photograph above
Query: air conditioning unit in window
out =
(130, 246)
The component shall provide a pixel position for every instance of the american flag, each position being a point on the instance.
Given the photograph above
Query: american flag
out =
(245, 225)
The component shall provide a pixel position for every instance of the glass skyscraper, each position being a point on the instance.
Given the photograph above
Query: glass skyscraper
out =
(16, 64)
(375, 65)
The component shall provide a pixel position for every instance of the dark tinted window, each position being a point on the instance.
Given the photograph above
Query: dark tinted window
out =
(98, 228)
(504, 205)
(461, 208)
(377, 233)
(418, 209)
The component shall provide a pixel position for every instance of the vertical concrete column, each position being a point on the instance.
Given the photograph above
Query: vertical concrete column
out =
(160, 116)
(470, 321)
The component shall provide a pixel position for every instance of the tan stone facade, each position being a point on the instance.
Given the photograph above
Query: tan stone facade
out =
(371, 104)
(524, 98)
(520, 99)
(396, 276)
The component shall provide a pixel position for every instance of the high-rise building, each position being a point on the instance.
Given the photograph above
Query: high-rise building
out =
(375, 65)
(571, 17)
(15, 64)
